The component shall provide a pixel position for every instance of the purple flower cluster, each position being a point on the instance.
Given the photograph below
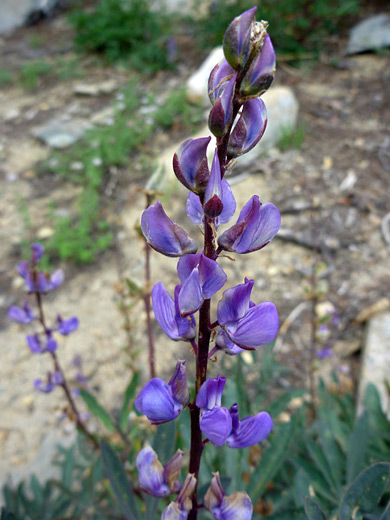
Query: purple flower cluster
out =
(238, 120)
(38, 283)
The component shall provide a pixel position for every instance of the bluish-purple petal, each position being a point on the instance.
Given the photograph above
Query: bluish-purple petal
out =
(210, 393)
(194, 209)
(66, 327)
(190, 164)
(151, 473)
(213, 204)
(190, 295)
(22, 315)
(234, 303)
(164, 235)
(258, 327)
(178, 384)
(249, 128)
(156, 402)
(223, 342)
(216, 424)
(250, 430)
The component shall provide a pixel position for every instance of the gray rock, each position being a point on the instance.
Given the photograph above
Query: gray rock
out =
(59, 133)
(15, 13)
(376, 358)
(370, 34)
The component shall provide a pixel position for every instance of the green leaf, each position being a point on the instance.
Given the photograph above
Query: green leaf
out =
(164, 441)
(365, 491)
(321, 463)
(119, 482)
(313, 510)
(316, 479)
(97, 410)
(129, 394)
(358, 447)
(270, 461)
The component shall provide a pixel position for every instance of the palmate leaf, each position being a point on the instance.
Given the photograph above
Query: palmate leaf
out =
(365, 491)
(313, 510)
(120, 484)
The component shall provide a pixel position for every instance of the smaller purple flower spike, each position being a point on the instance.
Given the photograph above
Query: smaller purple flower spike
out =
(65, 327)
(221, 114)
(201, 278)
(261, 71)
(22, 315)
(48, 386)
(324, 353)
(237, 39)
(166, 311)
(213, 203)
(195, 210)
(250, 430)
(36, 346)
(218, 79)
(249, 129)
(162, 402)
(156, 479)
(256, 226)
(190, 164)
(39, 282)
(164, 235)
(237, 506)
(245, 324)
(179, 509)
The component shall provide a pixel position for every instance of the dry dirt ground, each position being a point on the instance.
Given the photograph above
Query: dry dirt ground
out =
(341, 171)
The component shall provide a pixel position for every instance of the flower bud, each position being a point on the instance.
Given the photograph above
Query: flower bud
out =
(261, 71)
(222, 507)
(179, 509)
(164, 235)
(190, 164)
(249, 129)
(221, 114)
(213, 205)
(218, 79)
(237, 39)
(155, 479)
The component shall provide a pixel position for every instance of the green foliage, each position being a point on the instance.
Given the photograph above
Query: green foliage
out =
(32, 72)
(121, 29)
(84, 236)
(6, 77)
(295, 25)
(292, 138)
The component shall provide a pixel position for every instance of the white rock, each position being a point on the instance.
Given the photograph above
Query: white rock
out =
(197, 83)
(376, 358)
(94, 89)
(14, 13)
(370, 34)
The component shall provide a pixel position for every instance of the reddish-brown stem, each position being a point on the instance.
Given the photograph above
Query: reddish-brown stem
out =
(147, 298)
(75, 414)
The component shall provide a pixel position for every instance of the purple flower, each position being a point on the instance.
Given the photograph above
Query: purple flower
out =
(22, 315)
(166, 310)
(218, 79)
(156, 479)
(213, 203)
(261, 71)
(324, 353)
(179, 509)
(256, 226)
(37, 252)
(237, 39)
(244, 323)
(52, 381)
(201, 278)
(65, 327)
(249, 129)
(250, 430)
(36, 346)
(190, 164)
(162, 402)
(164, 235)
(221, 425)
(39, 282)
(222, 507)
(221, 114)
(195, 210)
